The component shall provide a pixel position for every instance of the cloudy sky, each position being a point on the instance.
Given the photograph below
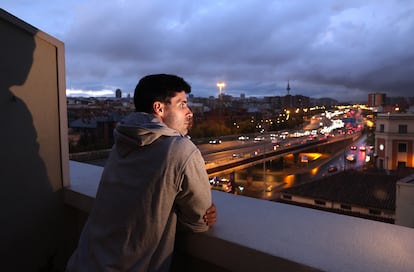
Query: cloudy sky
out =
(325, 48)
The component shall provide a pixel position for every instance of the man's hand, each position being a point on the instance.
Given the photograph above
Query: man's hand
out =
(211, 216)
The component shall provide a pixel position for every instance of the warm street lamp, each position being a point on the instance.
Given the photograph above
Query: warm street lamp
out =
(221, 85)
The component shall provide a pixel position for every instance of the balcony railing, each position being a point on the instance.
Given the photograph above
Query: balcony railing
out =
(260, 235)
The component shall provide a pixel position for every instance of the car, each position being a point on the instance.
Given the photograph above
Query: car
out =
(332, 169)
(259, 138)
(353, 147)
(237, 155)
(243, 138)
(362, 148)
(215, 141)
(221, 184)
(350, 157)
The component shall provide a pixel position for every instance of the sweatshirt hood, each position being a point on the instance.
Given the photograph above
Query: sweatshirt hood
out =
(140, 129)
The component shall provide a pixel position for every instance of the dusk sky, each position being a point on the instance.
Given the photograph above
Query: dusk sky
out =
(338, 49)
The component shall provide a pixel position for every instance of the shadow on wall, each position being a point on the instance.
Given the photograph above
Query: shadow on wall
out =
(29, 210)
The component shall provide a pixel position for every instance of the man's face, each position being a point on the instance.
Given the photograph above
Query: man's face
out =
(177, 115)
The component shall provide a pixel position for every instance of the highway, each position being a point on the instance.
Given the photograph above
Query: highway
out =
(237, 149)
(266, 180)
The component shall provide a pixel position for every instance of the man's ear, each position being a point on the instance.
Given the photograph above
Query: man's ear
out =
(158, 108)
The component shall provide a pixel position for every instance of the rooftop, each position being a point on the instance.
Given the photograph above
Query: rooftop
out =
(352, 187)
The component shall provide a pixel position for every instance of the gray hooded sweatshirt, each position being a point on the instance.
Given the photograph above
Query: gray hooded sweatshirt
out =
(153, 180)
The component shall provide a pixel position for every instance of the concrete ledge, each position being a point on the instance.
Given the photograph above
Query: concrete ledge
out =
(229, 256)
(84, 181)
(312, 238)
(253, 234)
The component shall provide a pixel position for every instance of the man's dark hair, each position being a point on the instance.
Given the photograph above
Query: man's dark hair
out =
(159, 87)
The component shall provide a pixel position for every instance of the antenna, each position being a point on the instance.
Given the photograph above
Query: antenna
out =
(288, 88)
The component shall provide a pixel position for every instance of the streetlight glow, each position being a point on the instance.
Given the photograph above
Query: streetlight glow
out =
(221, 85)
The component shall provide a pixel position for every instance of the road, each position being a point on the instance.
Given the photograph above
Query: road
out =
(251, 182)
(266, 180)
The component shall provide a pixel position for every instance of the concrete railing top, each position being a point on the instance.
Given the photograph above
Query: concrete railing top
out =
(267, 236)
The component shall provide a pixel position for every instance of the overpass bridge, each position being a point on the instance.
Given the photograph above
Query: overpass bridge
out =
(321, 146)
(230, 166)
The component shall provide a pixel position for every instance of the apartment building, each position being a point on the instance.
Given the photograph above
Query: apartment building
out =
(404, 215)
(394, 137)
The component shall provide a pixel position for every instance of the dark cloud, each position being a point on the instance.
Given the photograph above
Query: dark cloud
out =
(344, 50)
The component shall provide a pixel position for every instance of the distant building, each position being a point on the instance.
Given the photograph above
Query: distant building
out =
(394, 140)
(295, 101)
(300, 101)
(118, 93)
(97, 129)
(376, 99)
(197, 109)
(400, 103)
(323, 101)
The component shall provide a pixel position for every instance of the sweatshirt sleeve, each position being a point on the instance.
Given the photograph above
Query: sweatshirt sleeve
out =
(194, 197)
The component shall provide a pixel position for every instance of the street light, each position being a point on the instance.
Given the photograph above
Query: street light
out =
(220, 85)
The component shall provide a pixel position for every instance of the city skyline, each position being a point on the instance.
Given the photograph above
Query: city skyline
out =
(343, 51)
